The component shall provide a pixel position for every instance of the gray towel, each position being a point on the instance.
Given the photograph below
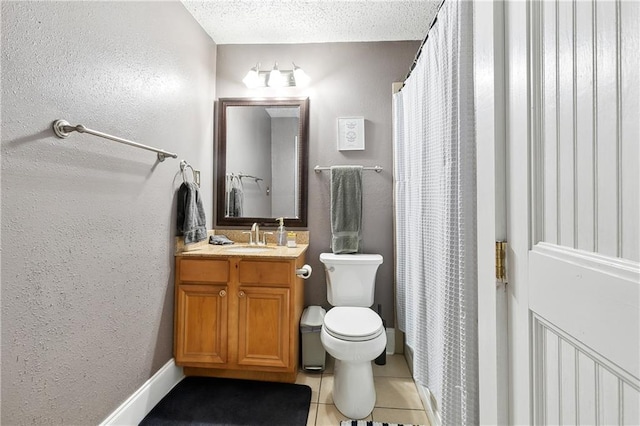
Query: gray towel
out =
(237, 202)
(191, 219)
(231, 202)
(346, 209)
(234, 205)
(219, 240)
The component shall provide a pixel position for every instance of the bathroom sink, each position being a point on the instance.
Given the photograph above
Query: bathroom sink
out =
(248, 249)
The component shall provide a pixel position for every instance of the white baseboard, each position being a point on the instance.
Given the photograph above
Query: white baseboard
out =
(429, 406)
(138, 405)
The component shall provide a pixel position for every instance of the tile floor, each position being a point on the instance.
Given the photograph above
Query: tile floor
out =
(397, 398)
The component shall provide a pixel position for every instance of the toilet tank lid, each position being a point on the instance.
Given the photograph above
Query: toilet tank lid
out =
(350, 258)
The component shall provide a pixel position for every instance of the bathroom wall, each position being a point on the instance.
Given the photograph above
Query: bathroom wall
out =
(88, 224)
(347, 79)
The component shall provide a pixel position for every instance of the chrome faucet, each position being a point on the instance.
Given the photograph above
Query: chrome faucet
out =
(255, 230)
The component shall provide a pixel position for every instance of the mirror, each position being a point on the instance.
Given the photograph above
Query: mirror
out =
(262, 161)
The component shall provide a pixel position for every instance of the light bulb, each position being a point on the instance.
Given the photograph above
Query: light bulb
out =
(301, 77)
(275, 77)
(252, 79)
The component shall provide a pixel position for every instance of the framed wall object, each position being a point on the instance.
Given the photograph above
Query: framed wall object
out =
(350, 133)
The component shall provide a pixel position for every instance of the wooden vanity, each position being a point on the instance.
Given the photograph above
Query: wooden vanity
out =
(238, 315)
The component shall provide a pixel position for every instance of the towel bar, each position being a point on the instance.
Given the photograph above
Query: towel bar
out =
(377, 169)
(62, 129)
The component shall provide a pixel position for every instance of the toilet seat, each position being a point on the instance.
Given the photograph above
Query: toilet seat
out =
(354, 324)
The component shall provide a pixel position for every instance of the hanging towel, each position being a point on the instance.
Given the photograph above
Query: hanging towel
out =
(237, 202)
(234, 196)
(346, 209)
(191, 218)
(231, 203)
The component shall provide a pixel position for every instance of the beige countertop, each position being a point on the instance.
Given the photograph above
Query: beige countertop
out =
(229, 250)
(203, 248)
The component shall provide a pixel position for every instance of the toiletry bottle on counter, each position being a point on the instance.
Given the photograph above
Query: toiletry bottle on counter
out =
(291, 240)
(281, 233)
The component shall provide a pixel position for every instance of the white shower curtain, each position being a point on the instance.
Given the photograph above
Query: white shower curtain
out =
(434, 172)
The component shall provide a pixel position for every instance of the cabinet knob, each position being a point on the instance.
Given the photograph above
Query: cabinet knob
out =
(223, 293)
(241, 294)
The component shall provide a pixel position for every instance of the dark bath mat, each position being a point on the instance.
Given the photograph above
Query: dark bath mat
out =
(214, 401)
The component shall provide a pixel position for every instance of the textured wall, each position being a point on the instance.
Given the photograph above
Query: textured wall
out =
(348, 79)
(87, 224)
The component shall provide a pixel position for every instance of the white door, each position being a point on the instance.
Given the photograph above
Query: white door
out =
(572, 120)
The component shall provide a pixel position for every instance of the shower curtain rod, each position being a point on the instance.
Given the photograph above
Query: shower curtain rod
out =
(424, 40)
(62, 129)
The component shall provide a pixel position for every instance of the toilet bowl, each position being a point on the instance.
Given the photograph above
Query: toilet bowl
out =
(352, 333)
(354, 336)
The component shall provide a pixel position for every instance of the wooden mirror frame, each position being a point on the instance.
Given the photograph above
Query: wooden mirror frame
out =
(303, 161)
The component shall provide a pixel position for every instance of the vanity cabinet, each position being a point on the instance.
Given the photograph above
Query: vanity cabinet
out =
(238, 317)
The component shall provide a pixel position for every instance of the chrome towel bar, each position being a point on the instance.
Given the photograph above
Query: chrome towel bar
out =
(377, 169)
(62, 129)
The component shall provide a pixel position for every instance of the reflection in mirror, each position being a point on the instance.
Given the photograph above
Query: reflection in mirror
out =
(255, 187)
(262, 161)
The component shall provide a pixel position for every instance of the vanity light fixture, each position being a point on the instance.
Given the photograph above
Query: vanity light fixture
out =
(275, 77)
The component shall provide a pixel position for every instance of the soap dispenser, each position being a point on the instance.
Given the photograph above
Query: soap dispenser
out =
(281, 233)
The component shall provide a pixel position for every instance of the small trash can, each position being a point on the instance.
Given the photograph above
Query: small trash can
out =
(313, 353)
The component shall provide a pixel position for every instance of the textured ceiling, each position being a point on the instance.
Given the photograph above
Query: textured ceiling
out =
(312, 21)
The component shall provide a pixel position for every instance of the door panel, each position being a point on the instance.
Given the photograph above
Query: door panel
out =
(201, 331)
(594, 297)
(263, 333)
(576, 385)
(574, 287)
(586, 136)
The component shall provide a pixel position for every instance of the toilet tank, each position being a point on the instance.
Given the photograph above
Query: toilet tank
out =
(351, 278)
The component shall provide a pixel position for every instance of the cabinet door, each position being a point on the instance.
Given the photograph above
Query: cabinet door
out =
(263, 326)
(201, 324)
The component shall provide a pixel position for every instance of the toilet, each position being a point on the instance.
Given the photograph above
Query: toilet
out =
(352, 333)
